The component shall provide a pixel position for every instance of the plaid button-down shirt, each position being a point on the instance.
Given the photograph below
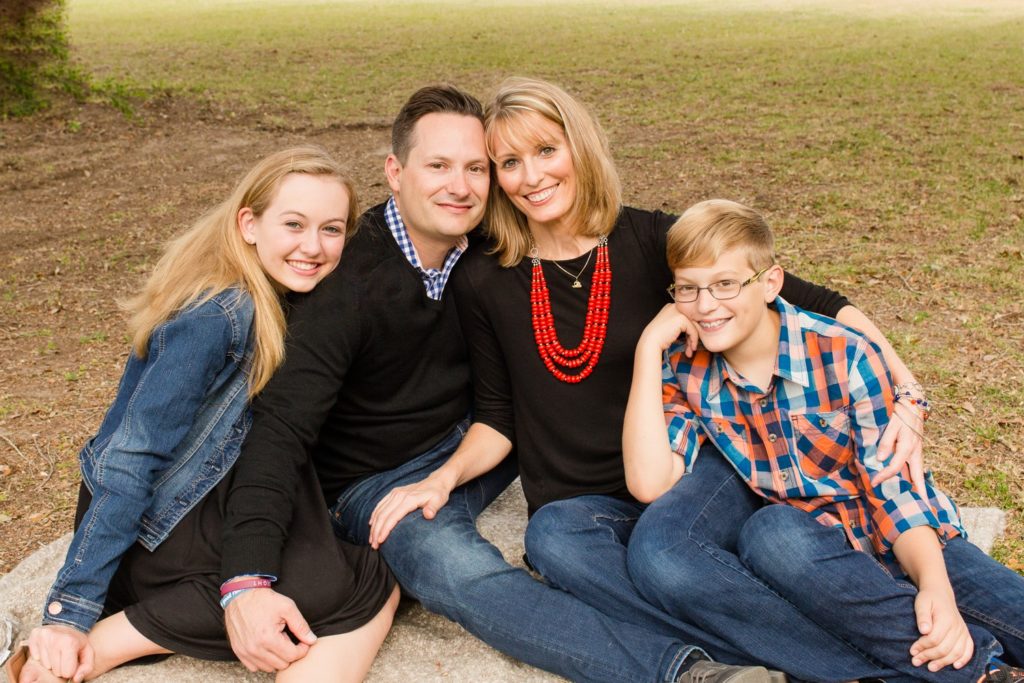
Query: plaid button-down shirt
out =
(810, 441)
(434, 279)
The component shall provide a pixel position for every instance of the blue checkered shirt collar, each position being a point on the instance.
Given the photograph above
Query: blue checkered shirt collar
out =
(434, 279)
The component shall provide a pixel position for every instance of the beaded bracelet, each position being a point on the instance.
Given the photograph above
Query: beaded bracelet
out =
(922, 404)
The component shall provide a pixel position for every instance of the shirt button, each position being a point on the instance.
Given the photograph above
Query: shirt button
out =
(772, 437)
(718, 429)
(54, 608)
(822, 422)
(763, 402)
(785, 476)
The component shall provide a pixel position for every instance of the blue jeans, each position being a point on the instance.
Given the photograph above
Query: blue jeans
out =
(709, 551)
(853, 596)
(455, 572)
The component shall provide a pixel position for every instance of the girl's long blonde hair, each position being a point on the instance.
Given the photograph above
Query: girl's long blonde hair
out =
(598, 191)
(211, 256)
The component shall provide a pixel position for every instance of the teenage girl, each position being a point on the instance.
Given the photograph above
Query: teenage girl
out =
(142, 576)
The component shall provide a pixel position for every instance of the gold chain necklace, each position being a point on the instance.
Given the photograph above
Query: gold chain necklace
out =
(576, 284)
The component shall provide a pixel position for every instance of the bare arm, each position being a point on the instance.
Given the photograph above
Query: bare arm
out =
(855, 318)
(651, 466)
(944, 638)
(480, 451)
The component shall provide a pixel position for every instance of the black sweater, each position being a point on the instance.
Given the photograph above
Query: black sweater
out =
(375, 373)
(569, 436)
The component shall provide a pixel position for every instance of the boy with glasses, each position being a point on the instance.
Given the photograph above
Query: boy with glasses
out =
(768, 519)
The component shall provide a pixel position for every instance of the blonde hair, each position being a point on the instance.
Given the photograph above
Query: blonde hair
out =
(598, 191)
(707, 230)
(211, 257)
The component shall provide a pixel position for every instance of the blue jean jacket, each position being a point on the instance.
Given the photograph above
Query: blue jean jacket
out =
(173, 432)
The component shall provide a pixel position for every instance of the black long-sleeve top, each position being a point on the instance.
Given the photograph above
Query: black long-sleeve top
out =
(375, 373)
(569, 436)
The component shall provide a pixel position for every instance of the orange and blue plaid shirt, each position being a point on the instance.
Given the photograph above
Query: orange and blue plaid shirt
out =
(811, 440)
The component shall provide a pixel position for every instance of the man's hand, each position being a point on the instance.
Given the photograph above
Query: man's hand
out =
(430, 494)
(63, 650)
(256, 621)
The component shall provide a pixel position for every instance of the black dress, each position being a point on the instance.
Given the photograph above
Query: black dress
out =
(171, 595)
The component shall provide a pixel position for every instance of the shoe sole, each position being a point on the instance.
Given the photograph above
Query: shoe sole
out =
(756, 674)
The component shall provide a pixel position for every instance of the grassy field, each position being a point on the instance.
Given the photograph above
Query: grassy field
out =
(885, 143)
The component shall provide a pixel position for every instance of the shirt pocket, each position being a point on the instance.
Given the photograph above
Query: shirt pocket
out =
(824, 444)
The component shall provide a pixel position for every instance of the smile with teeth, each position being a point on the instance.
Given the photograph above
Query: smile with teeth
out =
(712, 325)
(303, 265)
(542, 195)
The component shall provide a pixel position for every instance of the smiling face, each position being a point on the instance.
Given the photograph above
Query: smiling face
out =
(441, 188)
(729, 326)
(536, 172)
(300, 235)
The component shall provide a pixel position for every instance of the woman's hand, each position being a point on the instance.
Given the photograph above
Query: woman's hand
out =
(63, 650)
(902, 444)
(667, 327)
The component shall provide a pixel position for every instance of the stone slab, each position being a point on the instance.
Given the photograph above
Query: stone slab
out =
(420, 647)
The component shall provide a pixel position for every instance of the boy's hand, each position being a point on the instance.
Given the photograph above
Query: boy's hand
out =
(668, 326)
(944, 637)
(63, 650)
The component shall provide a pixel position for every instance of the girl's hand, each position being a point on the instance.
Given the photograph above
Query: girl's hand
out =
(668, 326)
(944, 637)
(63, 650)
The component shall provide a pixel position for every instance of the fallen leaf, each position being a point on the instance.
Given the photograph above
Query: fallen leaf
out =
(968, 406)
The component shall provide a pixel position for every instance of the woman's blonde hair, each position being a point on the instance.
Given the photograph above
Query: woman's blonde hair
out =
(211, 256)
(598, 191)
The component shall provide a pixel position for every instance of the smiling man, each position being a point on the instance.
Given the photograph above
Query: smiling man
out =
(375, 391)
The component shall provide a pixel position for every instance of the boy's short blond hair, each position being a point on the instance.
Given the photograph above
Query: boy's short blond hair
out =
(707, 230)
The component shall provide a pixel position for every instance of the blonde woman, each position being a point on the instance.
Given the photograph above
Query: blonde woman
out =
(142, 575)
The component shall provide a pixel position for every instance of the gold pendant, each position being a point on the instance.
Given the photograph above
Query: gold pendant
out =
(576, 284)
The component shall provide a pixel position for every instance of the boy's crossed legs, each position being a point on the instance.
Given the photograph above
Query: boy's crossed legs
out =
(690, 554)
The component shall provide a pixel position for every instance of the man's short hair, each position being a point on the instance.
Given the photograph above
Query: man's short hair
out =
(707, 230)
(432, 99)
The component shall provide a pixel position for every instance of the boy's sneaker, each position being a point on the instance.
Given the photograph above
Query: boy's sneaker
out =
(705, 671)
(1004, 674)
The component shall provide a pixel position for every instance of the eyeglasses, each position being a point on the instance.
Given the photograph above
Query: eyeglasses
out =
(722, 290)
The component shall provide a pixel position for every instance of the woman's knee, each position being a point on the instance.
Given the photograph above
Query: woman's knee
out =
(554, 532)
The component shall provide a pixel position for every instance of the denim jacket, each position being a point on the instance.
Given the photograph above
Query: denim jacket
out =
(173, 432)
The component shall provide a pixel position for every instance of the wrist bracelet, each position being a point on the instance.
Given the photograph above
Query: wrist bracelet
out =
(226, 600)
(244, 584)
(922, 405)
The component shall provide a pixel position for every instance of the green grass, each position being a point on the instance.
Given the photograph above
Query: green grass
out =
(884, 140)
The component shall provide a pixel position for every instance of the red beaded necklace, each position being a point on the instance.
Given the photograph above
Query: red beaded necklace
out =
(554, 355)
